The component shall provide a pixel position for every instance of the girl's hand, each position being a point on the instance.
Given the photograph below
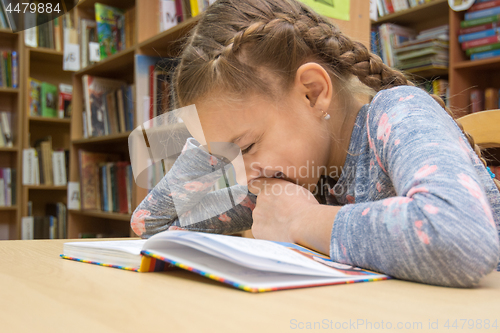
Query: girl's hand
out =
(280, 209)
(287, 212)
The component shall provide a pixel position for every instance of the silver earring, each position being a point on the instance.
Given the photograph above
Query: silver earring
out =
(325, 115)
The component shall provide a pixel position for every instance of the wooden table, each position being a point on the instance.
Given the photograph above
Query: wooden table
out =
(39, 292)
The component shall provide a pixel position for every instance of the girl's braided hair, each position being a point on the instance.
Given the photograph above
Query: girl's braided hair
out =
(234, 38)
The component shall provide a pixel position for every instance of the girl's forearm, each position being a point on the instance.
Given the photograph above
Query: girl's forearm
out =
(314, 227)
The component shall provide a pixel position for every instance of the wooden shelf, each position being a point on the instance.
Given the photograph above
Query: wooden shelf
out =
(102, 214)
(111, 66)
(45, 54)
(9, 148)
(46, 187)
(7, 208)
(163, 40)
(103, 139)
(9, 90)
(484, 64)
(65, 121)
(415, 15)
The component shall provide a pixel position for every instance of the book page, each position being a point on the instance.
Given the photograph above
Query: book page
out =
(127, 246)
(255, 253)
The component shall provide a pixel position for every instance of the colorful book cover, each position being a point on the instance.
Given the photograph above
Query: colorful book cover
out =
(48, 100)
(35, 87)
(65, 97)
(110, 24)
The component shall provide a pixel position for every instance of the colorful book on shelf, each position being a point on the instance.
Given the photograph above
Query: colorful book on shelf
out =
(480, 42)
(110, 29)
(479, 21)
(484, 48)
(252, 265)
(485, 55)
(48, 96)
(478, 35)
(482, 13)
(35, 94)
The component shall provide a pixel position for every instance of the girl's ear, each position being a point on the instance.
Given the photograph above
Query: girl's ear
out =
(315, 85)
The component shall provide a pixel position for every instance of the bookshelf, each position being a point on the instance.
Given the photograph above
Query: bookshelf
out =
(43, 64)
(121, 65)
(11, 101)
(425, 16)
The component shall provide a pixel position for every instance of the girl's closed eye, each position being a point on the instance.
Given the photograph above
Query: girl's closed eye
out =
(247, 149)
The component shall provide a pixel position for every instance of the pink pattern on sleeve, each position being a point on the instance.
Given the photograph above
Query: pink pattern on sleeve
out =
(384, 129)
(138, 221)
(431, 209)
(365, 211)
(425, 171)
(476, 192)
(224, 218)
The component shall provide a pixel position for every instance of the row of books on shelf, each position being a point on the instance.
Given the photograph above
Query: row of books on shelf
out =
(405, 49)
(8, 187)
(52, 225)
(6, 138)
(111, 31)
(109, 106)
(106, 182)
(479, 34)
(9, 69)
(46, 100)
(173, 12)
(484, 99)
(43, 166)
(44, 33)
(386, 7)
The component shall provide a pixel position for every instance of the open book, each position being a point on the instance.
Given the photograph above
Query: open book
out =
(249, 264)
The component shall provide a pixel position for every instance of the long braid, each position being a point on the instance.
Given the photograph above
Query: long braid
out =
(288, 31)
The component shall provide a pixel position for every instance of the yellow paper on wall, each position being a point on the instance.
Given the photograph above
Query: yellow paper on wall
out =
(338, 9)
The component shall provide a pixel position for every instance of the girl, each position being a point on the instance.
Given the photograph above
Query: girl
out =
(397, 189)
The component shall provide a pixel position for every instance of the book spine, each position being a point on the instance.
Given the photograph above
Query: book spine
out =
(484, 48)
(480, 42)
(15, 70)
(490, 98)
(178, 10)
(479, 21)
(477, 28)
(476, 100)
(27, 225)
(8, 186)
(482, 13)
(484, 5)
(478, 35)
(485, 55)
